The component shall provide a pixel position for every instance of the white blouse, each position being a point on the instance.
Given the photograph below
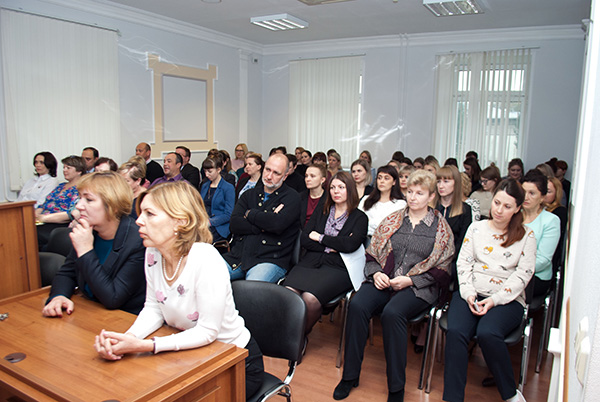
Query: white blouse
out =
(379, 211)
(37, 189)
(199, 303)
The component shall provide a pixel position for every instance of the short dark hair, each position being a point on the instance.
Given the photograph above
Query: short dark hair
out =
(187, 151)
(75, 161)
(112, 164)
(94, 151)
(517, 162)
(178, 157)
(49, 162)
(320, 156)
(472, 154)
(308, 152)
(538, 178)
(451, 162)
(292, 158)
(398, 155)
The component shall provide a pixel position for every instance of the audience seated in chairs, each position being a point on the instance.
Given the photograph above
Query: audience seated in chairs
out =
(37, 188)
(188, 285)
(337, 229)
(219, 198)
(107, 259)
(408, 263)
(55, 211)
(495, 264)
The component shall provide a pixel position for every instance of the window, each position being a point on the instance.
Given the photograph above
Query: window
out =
(325, 102)
(481, 105)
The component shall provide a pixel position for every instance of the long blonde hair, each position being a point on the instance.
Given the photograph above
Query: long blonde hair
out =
(182, 202)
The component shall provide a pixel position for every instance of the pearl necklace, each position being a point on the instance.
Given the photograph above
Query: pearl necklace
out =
(176, 270)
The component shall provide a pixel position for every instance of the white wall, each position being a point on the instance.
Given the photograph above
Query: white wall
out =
(399, 87)
(178, 43)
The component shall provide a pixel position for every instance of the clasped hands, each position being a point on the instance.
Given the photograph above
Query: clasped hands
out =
(484, 305)
(113, 345)
(382, 282)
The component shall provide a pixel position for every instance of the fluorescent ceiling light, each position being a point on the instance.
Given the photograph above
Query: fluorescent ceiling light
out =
(457, 7)
(279, 22)
(317, 2)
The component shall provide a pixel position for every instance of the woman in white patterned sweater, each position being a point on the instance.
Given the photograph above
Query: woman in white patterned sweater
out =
(495, 264)
(188, 284)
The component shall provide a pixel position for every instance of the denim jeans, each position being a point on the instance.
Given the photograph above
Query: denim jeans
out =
(265, 272)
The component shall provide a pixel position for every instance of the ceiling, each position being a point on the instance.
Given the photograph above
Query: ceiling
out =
(359, 18)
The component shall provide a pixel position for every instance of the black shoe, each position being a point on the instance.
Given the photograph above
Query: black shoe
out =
(397, 396)
(418, 349)
(488, 381)
(343, 389)
(413, 338)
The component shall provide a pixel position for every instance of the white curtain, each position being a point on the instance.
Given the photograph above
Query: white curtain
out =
(324, 105)
(481, 105)
(61, 90)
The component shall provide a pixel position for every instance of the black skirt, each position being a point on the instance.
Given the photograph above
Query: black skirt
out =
(324, 281)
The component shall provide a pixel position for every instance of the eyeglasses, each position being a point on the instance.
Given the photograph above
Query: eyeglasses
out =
(484, 181)
(239, 150)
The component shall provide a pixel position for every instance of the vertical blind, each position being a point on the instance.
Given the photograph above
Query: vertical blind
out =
(61, 90)
(324, 105)
(481, 105)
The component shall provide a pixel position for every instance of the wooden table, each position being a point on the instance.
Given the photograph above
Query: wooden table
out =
(62, 365)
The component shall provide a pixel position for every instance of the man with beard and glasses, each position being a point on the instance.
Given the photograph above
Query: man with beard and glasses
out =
(265, 225)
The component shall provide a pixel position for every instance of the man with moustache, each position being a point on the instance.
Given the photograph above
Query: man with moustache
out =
(265, 225)
(172, 167)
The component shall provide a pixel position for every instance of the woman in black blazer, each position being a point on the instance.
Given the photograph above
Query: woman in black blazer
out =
(339, 228)
(107, 259)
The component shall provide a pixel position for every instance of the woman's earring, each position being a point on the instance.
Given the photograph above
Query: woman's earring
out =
(175, 232)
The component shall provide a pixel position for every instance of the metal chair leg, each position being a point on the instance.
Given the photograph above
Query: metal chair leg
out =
(434, 342)
(548, 306)
(527, 333)
(427, 347)
(340, 353)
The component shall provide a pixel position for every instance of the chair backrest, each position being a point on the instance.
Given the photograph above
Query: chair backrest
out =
(297, 250)
(59, 241)
(274, 315)
(50, 263)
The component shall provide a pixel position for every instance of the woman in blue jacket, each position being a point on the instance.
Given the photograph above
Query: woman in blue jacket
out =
(218, 196)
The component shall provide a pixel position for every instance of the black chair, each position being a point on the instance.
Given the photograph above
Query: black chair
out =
(276, 318)
(59, 241)
(523, 332)
(50, 263)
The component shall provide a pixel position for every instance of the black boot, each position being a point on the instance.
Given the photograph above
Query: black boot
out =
(343, 389)
(397, 396)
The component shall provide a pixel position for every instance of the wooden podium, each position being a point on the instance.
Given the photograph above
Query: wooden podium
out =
(20, 268)
(61, 364)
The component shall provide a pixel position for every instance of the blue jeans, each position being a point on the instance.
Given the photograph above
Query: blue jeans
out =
(265, 272)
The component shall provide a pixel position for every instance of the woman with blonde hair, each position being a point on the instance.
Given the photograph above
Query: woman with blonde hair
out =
(107, 258)
(553, 204)
(237, 163)
(188, 284)
(334, 162)
(466, 190)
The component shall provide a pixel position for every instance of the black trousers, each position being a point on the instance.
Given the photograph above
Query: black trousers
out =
(254, 368)
(491, 329)
(396, 309)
